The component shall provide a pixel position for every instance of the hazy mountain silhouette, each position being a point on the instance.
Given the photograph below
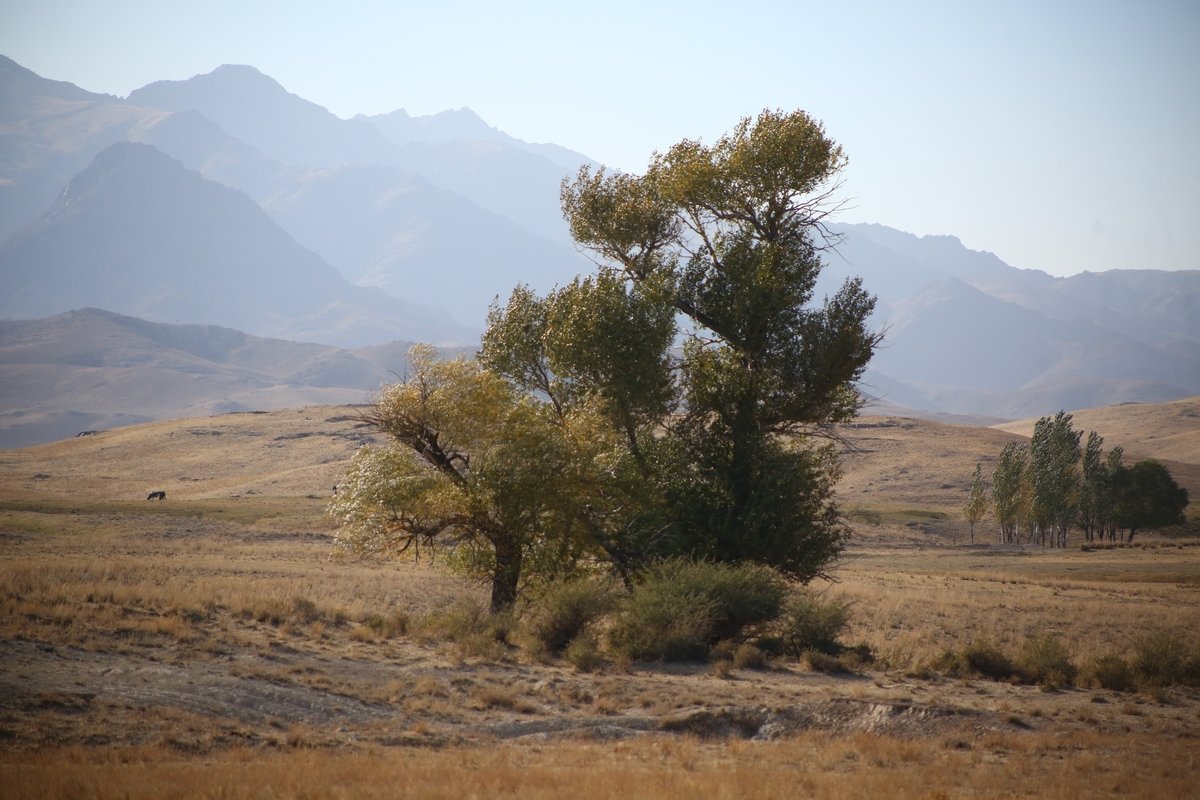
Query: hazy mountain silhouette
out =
(138, 233)
(510, 180)
(464, 125)
(449, 210)
(50, 130)
(255, 109)
(377, 225)
(386, 228)
(968, 333)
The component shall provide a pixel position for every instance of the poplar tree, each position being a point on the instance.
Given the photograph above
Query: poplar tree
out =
(977, 500)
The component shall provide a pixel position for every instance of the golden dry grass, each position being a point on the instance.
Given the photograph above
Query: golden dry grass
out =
(208, 646)
(810, 765)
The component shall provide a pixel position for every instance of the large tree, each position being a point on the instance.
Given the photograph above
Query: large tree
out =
(977, 500)
(1148, 497)
(717, 248)
(1009, 489)
(670, 404)
(1054, 454)
(472, 468)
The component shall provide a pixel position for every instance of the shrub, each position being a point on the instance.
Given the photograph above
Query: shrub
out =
(747, 656)
(681, 608)
(982, 659)
(387, 627)
(1044, 660)
(988, 660)
(583, 653)
(821, 661)
(657, 624)
(565, 610)
(1110, 671)
(1163, 659)
(469, 625)
(810, 623)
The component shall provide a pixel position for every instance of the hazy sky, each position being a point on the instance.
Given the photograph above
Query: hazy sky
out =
(1058, 135)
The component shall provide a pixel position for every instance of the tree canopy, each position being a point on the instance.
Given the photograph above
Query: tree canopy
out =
(1053, 484)
(672, 403)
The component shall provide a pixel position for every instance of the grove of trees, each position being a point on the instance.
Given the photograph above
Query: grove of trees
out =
(672, 404)
(1053, 484)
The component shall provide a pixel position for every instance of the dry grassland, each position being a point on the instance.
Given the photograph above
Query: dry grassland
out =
(207, 646)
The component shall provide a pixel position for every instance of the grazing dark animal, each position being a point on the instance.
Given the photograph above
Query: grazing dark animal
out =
(157, 496)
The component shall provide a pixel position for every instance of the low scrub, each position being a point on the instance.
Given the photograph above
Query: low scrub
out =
(469, 625)
(1109, 671)
(810, 624)
(1164, 659)
(566, 610)
(1044, 660)
(681, 609)
(978, 659)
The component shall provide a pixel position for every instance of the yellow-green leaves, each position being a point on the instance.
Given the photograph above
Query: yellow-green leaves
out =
(622, 216)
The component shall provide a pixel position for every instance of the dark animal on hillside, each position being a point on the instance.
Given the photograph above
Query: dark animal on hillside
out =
(335, 490)
(86, 433)
(157, 496)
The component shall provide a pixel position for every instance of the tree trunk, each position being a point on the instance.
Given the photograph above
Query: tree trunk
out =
(506, 575)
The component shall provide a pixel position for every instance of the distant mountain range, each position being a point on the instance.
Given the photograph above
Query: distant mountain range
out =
(225, 200)
(967, 333)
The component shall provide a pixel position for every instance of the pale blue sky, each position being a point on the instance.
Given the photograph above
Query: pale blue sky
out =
(1059, 135)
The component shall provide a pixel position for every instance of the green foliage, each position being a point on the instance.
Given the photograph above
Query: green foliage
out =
(1044, 660)
(1055, 483)
(980, 658)
(583, 653)
(581, 434)
(1008, 489)
(1165, 658)
(977, 500)
(811, 624)
(771, 503)
(477, 631)
(1110, 671)
(1054, 453)
(657, 624)
(727, 236)
(566, 609)
(682, 608)
(473, 467)
(1148, 497)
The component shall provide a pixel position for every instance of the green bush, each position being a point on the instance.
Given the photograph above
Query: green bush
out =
(468, 624)
(1165, 659)
(656, 624)
(681, 608)
(1110, 671)
(566, 609)
(810, 623)
(1044, 660)
(583, 653)
(978, 659)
